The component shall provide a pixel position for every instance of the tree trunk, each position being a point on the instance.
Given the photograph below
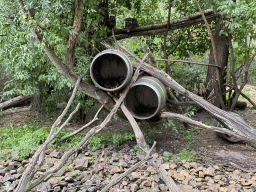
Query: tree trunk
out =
(221, 43)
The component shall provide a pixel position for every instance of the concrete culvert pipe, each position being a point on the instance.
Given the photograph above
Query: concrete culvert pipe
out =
(111, 70)
(146, 98)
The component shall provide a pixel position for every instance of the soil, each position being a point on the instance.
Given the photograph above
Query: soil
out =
(209, 148)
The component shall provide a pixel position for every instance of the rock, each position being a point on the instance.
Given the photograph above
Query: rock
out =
(3, 171)
(42, 187)
(55, 154)
(166, 166)
(163, 187)
(13, 165)
(246, 182)
(223, 189)
(135, 175)
(69, 179)
(20, 170)
(214, 187)
(62, 172)
(81, 163)
(53, 181)
(114, 170)
(173, 166)
(145, 183)
(8, 177)
(57, 189)
(134, 187)
(151, 170)
(210, 171)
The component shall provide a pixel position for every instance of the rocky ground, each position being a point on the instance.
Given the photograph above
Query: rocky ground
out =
(91, 171)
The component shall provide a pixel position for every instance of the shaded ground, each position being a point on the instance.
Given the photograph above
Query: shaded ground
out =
(210, 149)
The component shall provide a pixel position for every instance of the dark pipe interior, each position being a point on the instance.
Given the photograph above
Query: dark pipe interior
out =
(109, 71)
(142, 101)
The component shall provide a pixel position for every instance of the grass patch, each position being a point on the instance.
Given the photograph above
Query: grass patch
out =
(185, 155)
(22, 141)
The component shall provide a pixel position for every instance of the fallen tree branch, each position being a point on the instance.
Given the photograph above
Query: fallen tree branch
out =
(181, 103)
(248, 99)
(145, 148)
(183, 118)
(25, 183)
(15, 101)
(82, 128)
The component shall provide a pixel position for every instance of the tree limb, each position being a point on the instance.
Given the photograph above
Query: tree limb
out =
(177, 23)
(182, 61)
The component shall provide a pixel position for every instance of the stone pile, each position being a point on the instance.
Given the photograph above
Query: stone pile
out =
(91, 171)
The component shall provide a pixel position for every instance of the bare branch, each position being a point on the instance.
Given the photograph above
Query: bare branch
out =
(191, 62)
(85, 126)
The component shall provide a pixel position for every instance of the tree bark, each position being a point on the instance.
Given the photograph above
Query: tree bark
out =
(15, 101)
(221, 44)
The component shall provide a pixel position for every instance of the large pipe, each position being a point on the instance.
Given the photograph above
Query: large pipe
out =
(146, 98)
(111, 70)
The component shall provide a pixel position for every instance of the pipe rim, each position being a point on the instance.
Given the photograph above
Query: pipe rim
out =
(128, 66)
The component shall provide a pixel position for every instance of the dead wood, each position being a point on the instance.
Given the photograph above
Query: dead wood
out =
(85, 126)
(178, 23)
(183, 118)
(190, 62)
(145, 148)
(14, 110)
(26, 182)
(15, 101)
(151, 57)
(248, 99)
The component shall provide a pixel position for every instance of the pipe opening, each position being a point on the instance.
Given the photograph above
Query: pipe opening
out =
(109, 71)
(142, 101)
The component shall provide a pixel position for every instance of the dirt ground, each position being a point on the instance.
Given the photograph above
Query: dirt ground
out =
(209, 148)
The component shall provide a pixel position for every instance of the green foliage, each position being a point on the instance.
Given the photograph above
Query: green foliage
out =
(187, 76)
(25, 139)
(168, 157)
(117, 139)
(136, 149)
(186, 156)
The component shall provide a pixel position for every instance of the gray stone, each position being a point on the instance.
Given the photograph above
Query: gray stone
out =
(42, 187)
(55, 154)
(69, 179)
(57, 189)
(81, 163)
(20, 170)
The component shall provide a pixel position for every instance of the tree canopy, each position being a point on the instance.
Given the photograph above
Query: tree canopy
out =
(71, 31)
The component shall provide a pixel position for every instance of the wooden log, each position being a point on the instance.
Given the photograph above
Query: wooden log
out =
(15, 101)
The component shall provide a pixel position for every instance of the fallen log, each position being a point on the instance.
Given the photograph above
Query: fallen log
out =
(15, 101)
